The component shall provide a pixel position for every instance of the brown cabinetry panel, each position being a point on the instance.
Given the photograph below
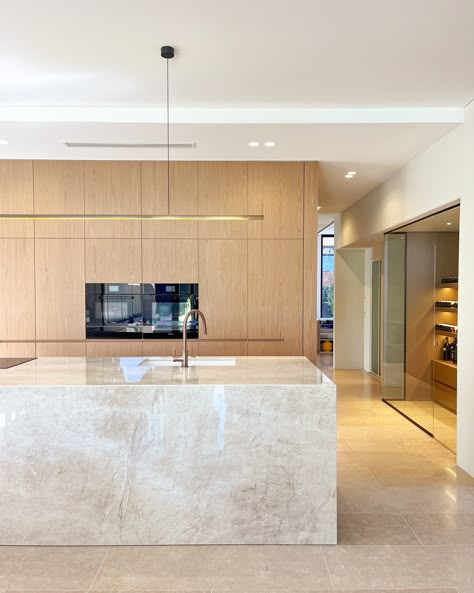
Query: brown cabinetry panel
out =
(183, 198)
(276, 293)
(170, 260)
(276, 191)
(60, 349)
(59, 189)
(223, 287)
(446, 373)
(18, 349)
(16, 197)
(222, 189)
(445, 396)
(17, 289)
(113, 187)
(60, 293)
(211, 348)
(110, 349)
(168, 348)
(113, 260)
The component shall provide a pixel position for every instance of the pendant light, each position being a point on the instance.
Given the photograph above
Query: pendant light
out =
(167, 52)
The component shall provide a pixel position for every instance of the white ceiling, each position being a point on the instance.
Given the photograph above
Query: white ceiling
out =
(360, 85)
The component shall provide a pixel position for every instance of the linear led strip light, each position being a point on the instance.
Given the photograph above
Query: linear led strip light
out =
(130, 217)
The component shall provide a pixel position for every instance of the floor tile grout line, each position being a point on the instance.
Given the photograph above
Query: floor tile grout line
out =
(99, 568)
(411, 528)
(321, 551)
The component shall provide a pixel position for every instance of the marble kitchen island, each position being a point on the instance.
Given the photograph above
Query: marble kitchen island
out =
(133, 451)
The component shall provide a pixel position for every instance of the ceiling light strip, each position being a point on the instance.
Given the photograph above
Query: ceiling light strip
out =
(243, 217)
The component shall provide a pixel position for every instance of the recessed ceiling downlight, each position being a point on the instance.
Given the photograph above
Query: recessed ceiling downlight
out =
(449, 223)
(3, 141)
(347, 176)
(270, 144)
(319, 207)
(254, 144)
(352, 173)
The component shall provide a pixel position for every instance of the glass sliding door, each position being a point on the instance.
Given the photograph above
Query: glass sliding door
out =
(394, 317)
(375, 318)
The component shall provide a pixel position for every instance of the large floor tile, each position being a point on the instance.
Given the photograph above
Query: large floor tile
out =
(376, 461)
(421, 476)
(358, 529)
(443, 528)
(212, 567)
(372, 567)
(49, 567)
(420, 500)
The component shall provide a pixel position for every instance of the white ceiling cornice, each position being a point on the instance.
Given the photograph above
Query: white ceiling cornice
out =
(52, 114)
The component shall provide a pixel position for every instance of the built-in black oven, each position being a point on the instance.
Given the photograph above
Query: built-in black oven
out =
(140, 311)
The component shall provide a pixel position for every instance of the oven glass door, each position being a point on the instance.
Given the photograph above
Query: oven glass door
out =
(164, 308)
(114, 311)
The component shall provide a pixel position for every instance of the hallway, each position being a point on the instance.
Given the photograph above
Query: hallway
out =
(406, 524)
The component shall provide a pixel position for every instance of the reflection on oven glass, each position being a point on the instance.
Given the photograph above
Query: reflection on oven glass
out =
(140, 310)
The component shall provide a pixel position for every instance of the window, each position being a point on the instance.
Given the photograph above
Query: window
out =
(327, 276)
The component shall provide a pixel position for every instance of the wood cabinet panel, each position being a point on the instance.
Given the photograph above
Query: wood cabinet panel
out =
(60, 294)
(46, 349)
(268, 348)
(112, 349)
(17, 289)
(310, 321)
(168, 348)
(59, 189)
(223, 287)
(222, 189)
(212, 348)
(20, 349)
(276, 190)
(113, 187)
(170, 260)
(446, 373)
(445, 396)
(16, 197)
(183, 198)
(276, 292)
(113, 260)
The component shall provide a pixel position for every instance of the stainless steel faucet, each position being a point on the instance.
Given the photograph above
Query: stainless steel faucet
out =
(185, 358)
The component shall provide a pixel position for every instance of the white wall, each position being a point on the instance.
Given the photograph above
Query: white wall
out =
(437, 178)
(465, 434)
(349, 309)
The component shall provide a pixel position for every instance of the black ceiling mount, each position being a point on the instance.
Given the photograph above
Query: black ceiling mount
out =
(167, 52)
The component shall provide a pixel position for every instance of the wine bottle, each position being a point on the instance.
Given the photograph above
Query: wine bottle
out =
(454, 352)
(446, 349)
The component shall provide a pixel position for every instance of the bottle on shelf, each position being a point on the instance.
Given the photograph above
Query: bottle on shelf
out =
(454, 352)
(446, 348)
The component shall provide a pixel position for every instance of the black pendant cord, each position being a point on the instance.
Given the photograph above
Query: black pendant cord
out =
(168, 126)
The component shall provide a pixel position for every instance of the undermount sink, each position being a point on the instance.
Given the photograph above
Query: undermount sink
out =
(167, 361)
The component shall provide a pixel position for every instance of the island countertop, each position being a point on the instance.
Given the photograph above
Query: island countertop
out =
(251, 370)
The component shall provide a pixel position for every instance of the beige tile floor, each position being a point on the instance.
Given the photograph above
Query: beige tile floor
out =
(406, 525)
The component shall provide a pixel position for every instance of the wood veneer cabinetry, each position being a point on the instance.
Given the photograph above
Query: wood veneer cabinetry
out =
(59, 189)
(275, 190)
(275, 287)
(16, 197)
(60, 295)
(223, 287)
(183, 198)
(222, 189)
(257, 280)
(113, 187)
(17, 289)
(113, 260)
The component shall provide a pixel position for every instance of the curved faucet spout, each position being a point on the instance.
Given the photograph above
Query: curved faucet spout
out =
(185, 358)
